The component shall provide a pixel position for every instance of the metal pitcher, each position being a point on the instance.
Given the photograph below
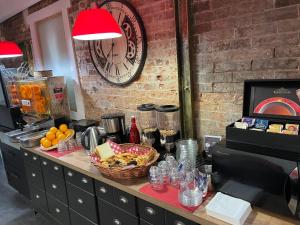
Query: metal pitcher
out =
(90, 139)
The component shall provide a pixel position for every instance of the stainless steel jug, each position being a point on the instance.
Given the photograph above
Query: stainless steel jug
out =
(90, 138)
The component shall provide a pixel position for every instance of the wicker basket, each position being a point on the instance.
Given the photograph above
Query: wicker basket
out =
(126, 174)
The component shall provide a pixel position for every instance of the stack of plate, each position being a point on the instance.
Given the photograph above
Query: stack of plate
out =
(187, 149)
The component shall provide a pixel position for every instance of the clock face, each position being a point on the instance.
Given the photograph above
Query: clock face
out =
(121, 60)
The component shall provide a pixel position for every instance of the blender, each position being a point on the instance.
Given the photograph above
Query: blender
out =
(148, 124)
(169, 127)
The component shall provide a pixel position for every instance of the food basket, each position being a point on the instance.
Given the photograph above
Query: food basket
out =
(130, 173)
(55, 146)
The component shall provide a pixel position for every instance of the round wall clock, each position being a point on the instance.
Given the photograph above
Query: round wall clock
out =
(121, 60)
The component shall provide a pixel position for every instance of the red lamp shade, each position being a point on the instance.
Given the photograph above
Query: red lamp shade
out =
(9, 49)
(95, 24)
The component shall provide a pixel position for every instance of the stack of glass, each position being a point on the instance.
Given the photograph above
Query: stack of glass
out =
(192, 184)
(187, 149)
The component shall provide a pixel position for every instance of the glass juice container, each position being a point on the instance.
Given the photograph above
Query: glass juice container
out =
(148, 125)
(168, 122)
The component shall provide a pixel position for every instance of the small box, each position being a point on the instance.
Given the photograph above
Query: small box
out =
(277, 101)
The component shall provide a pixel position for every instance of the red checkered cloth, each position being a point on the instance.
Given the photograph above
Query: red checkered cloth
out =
(115, 147)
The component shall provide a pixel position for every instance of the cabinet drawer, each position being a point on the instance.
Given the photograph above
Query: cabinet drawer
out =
(124, 201)
(38, 199)
(143, 222)
(77, 219)
(82, 202)
(173, 219)
(111, 215)
(151, 213)
(34, 176)
(79, 180)
(104, 191)
(58, 210)
(12, 156)
(49, 167)
(31, 159)
(56, 187)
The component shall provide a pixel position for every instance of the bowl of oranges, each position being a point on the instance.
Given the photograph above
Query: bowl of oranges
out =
(55, 135)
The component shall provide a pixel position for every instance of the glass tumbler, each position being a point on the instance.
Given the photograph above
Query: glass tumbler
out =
(62, 146)
(165, 170)
(156, 179)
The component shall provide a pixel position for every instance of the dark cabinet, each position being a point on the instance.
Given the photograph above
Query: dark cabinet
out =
(104, 191)
(55, 186)
(35, 177)
(58, 210)
(51, 168)
(82, 202)
(77, 219)
(112, 215)
(173, 219)
(14, 168)
(84, 182)
(151, 213)
(124, 201)
(143, 222)
(38, 199)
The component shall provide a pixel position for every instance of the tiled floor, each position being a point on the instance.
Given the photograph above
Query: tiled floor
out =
(15, 209)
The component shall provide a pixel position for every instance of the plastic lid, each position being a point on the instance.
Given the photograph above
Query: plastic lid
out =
(167, 108)
(146, 107)
(112, 115)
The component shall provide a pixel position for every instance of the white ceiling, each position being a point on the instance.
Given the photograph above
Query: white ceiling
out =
(9, 8)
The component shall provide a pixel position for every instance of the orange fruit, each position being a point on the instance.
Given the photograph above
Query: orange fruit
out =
(58, 133)
(42, 140)
(53, 130)
(46, 143)
(63, 127)
(69, 132)
(61, 137)
(50, 136)
(54, 141)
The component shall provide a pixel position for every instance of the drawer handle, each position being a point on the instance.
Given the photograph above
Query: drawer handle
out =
(25, 154)
(179, 223)
(33, 175)
(57, 210)
(150, 211)
(117, 222)
(56, 168)
(34, 158)
(37, 196)
(70, 174)
(45, 163)
(123, 200)
(103, 190)
(84, 180)
(54, 186)
(80, 201)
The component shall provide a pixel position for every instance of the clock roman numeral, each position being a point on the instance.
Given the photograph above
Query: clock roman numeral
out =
(125, 66)
(107, 67)
(117, 71)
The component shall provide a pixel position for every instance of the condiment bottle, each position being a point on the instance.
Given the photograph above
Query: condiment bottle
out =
(134, 135)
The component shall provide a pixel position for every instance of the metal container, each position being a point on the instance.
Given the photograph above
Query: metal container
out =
(32, 140)
(112, 123)
(13, 135)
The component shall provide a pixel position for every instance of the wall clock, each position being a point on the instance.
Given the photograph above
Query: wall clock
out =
(121, 60)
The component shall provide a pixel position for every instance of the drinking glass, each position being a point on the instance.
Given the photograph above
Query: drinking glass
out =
(156, 179)
(62, 146)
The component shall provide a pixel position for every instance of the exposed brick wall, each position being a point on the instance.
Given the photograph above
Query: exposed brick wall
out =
(39, 5)
(236, 40)
(158, 82)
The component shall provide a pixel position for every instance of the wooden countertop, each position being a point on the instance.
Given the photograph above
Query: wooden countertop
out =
(80, 162)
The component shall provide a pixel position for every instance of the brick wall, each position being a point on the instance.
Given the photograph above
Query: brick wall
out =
(236, 40)
(158, 81)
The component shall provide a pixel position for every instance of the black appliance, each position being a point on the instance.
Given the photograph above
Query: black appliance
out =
(10, 115)
(267, 182)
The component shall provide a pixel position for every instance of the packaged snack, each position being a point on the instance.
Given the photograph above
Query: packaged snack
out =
(290, 132)
(292, 127)
(274, 131)
(261, 124)
(241, 125)
(274, 126)
(249, 121)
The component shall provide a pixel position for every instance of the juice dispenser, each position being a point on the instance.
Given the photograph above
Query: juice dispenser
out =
(148, 124)
(168, 122)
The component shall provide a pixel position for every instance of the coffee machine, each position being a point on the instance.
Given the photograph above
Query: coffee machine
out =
(113, 127)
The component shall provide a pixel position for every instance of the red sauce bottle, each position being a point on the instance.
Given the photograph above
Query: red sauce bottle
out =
(134, 134)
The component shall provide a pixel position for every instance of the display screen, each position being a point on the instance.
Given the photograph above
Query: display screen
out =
(277, 101)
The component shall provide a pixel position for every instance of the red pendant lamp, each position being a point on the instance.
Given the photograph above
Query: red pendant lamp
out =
(95, 24)
(9, 49)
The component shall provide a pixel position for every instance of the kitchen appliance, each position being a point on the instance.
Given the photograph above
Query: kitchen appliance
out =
(32, 139)
(168, 123)
(43, 98)
(10, 114)
(90, 139)
(267, 182)
(148, 124)
(113, 125)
